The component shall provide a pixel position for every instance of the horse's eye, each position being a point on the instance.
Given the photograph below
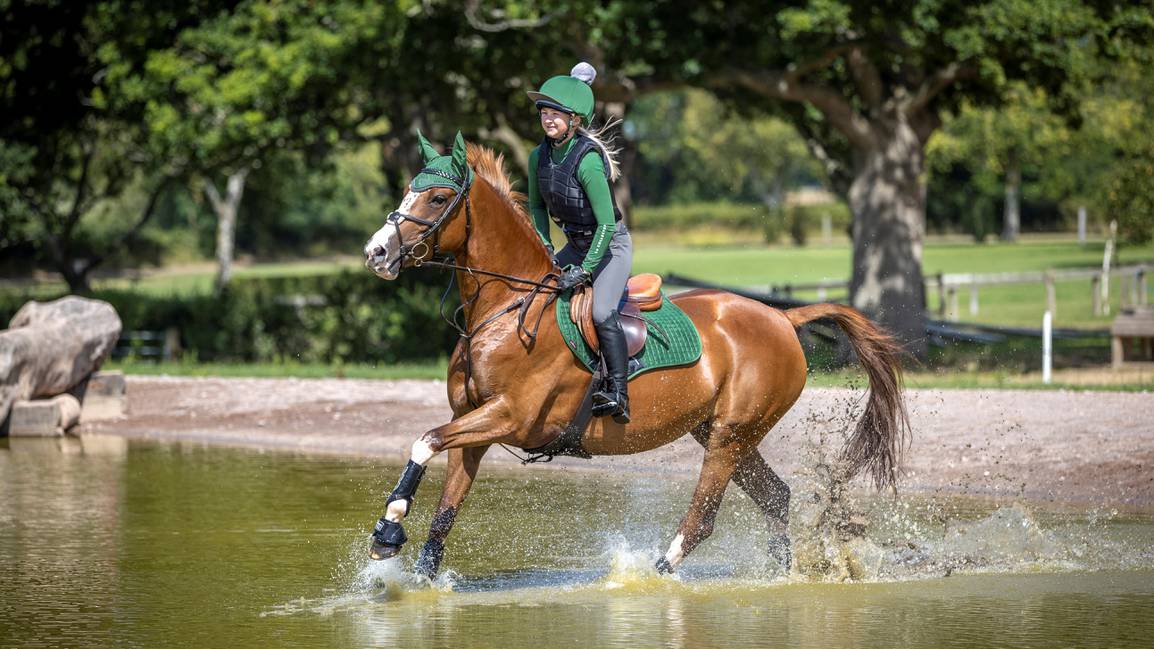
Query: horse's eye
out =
(438, 200)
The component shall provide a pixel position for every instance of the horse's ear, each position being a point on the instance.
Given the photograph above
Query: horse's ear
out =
(459, 164)
(427, 150)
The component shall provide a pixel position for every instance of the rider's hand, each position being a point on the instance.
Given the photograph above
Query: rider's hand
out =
(573, 276)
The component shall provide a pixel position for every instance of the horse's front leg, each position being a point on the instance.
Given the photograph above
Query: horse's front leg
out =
(463, 465)
(489, 424)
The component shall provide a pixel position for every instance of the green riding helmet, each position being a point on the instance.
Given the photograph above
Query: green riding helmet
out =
(571, 93)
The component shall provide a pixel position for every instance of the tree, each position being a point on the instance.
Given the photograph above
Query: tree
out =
(252, 83)
(68, 141)
(997, 144)
(694, 148)
(867, 83)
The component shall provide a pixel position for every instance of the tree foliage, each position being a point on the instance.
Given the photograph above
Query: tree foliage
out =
(68, 142)
(691, 148)
(118, 101)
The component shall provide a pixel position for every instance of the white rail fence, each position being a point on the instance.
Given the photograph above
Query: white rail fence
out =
(1131, 280)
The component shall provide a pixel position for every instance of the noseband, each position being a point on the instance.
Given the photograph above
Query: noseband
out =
(396, 217)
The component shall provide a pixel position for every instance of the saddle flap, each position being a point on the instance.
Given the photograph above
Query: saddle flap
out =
(581, 312)
(635, 331)
(644, 290)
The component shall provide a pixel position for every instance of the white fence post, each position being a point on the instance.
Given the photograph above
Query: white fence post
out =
(1047, 347)
(1107, 257)
(1051, 294)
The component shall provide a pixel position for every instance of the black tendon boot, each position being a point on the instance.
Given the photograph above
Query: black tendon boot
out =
(613, 398)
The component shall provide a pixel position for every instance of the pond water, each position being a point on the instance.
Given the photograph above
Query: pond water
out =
(109, 543)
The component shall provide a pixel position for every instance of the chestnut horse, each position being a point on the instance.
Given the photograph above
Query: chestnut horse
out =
(511, 384)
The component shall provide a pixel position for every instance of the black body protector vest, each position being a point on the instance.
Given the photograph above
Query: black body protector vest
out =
(563, 194)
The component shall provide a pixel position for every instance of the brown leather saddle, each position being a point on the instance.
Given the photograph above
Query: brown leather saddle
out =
(643, 293)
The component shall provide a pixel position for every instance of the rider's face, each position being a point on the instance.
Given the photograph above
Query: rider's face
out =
(555, 122)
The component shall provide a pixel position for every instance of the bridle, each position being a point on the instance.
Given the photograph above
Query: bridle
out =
(396, 217)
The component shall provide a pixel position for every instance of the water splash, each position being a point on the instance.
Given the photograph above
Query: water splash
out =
(630, 568)
(828, 530)
(842, 536)
(386, 580)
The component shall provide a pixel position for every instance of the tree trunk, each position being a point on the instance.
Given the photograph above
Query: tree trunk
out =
(887, 198)
(1012, 213)
(626, 157)
(226, 209)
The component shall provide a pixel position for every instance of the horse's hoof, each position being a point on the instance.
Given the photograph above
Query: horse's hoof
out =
(378, 551)
(664, 567)
(388, 537)
(429, 561)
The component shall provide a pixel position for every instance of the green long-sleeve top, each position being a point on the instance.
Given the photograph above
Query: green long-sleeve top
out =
(591, 173)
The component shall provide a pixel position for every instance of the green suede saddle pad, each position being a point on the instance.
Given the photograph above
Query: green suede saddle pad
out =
(672, 340)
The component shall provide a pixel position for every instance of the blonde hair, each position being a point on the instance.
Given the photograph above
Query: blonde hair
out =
(605, 144)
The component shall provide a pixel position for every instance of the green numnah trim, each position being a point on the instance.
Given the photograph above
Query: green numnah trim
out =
(674, 341)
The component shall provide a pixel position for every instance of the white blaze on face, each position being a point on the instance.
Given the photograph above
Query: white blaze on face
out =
(383, 251)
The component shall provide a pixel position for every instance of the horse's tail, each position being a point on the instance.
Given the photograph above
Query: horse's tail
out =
(883, 431)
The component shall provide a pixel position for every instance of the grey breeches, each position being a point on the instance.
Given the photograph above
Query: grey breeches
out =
(610, 276)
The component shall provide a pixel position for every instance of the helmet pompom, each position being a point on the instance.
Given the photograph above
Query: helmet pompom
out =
(584, 72)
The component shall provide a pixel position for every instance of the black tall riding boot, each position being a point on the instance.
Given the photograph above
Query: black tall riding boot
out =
(613, 398)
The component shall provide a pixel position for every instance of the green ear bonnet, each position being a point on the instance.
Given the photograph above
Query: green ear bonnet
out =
(571, 94)
(449, 171)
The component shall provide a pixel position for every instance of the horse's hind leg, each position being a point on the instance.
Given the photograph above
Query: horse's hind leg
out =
(771, 495)
(463, 465)
(717, 469)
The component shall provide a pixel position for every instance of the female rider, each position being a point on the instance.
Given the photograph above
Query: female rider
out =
(572, 187)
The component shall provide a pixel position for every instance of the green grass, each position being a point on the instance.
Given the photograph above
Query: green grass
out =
(1014, 304)
(758, 266)
(199, 279)
(990, 379)
(849, 377)
(431, 370)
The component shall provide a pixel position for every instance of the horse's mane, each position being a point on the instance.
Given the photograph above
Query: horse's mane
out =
(491, 166)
